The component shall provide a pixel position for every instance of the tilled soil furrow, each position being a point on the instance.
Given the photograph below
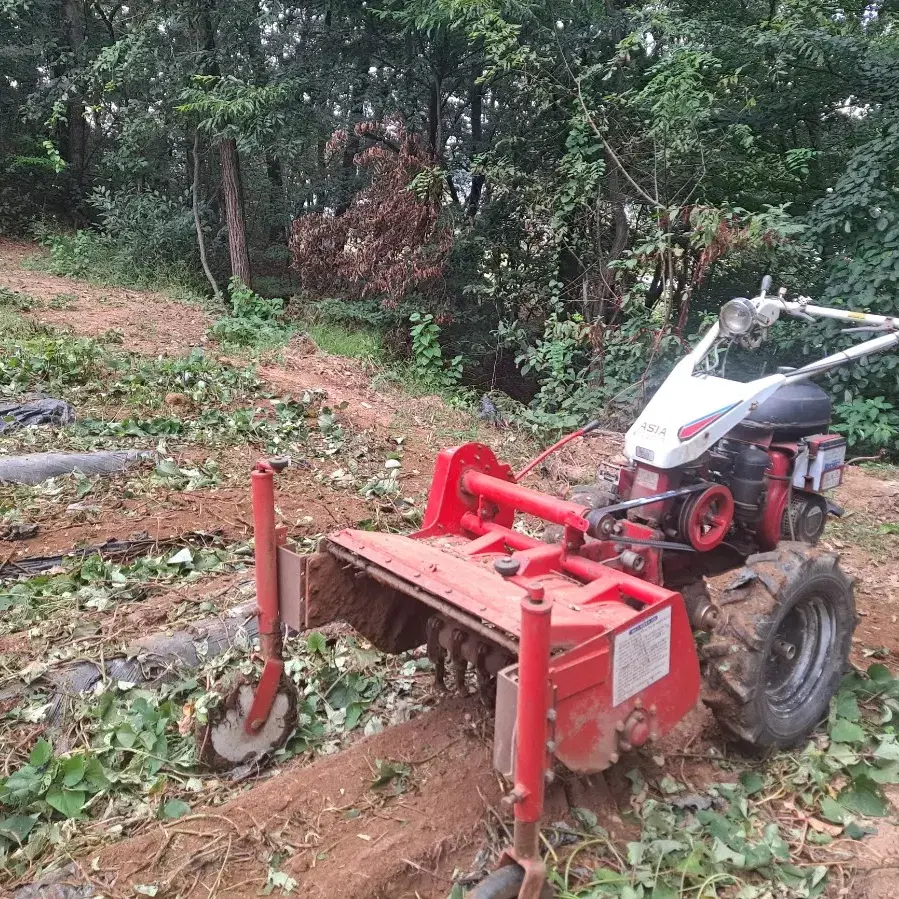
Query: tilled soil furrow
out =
(325, 826)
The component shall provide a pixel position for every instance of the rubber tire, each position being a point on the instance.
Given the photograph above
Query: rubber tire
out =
(504, 883)
(764, 593)
(594, 496)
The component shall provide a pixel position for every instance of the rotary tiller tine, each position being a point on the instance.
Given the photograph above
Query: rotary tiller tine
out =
(435, 652)
(460, 663)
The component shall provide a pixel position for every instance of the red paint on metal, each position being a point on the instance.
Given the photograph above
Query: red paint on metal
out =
(262, 485)
(531, 754)
(507, 495)
(447, 501)
(264, 695)
(586, 734)
(768, 532)
(712, 509)
(647, 481)
(694, 427)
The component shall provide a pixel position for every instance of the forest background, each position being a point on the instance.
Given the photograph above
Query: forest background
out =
(535, 199)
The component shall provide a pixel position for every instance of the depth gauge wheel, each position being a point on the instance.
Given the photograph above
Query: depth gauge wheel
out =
(224, 743)
(504, 883)
(780, 647)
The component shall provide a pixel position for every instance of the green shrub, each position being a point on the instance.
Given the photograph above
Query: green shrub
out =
(428, 362)
(253, 322)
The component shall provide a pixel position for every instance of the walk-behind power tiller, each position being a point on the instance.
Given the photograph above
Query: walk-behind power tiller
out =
(583, 637)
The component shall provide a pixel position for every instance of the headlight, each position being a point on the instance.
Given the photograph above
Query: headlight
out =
(736, 317)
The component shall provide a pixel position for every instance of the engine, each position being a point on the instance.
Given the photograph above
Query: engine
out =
(762, 483)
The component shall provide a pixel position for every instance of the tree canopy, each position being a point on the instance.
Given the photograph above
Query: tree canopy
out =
(566, 187)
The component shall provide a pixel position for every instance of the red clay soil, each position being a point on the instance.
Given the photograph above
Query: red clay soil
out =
(337, 836)
(877, 867)
(305, 507)
(342, 839)
(150, 323)
(872, 502)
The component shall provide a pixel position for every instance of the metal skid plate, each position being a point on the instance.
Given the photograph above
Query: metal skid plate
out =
(612, 693)
(291, 568)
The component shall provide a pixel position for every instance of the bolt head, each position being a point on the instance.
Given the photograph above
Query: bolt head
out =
(506, 566)
(613, 757)
(549, 777)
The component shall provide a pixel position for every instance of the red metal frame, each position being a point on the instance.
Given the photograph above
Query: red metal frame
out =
(266, 538)
(564, 609)
(768, 532)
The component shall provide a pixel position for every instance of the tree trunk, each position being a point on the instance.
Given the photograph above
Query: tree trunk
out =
(435, 117)
(76, 129)
(477, 115)
(198, 224)
(277, 225)
(232, 191)
(607, 289)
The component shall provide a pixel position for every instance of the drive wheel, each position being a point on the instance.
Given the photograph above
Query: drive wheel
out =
(780, 647)
(504, 883)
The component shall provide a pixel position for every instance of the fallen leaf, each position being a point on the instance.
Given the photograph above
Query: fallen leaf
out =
(832, 830)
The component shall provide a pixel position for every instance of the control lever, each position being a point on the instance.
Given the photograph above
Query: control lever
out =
(767, 284)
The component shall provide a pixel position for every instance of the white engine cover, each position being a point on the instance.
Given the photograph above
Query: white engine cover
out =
(689, 413)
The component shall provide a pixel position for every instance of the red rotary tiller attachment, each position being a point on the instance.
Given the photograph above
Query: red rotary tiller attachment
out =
(585, 660)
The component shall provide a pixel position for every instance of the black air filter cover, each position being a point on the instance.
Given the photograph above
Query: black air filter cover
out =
(794, 410)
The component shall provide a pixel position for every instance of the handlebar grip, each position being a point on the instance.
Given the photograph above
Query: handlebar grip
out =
(767, 284)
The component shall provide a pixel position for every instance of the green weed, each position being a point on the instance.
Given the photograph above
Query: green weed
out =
(135, 750)
(254, 321)
(96, 583)
(338, 340)
(101, 259)
(737, 838)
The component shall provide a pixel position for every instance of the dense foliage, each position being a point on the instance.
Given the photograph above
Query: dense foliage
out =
(565, 187)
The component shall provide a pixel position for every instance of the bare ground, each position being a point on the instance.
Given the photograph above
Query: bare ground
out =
(339, 837)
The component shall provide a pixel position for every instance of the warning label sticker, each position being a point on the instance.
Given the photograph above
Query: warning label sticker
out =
(642, 656)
